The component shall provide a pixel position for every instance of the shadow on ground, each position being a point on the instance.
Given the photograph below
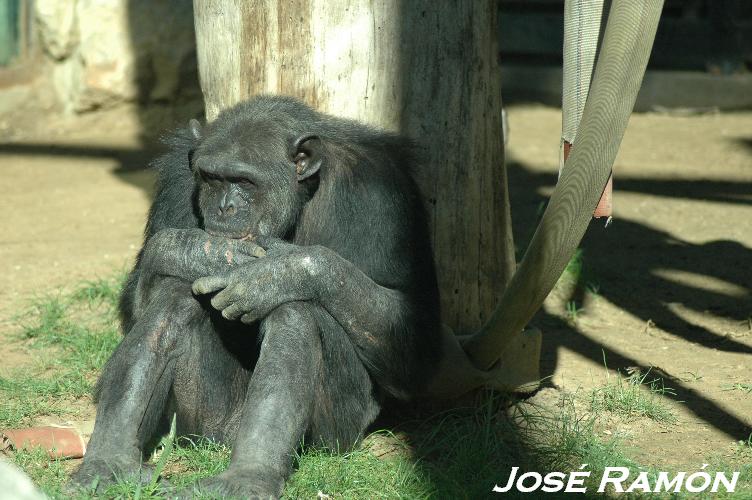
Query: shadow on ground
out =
(131, 161)
(631, 261)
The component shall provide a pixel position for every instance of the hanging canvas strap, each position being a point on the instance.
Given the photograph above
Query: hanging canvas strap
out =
(582, 33)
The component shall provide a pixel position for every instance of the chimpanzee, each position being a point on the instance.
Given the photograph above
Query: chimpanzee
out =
(285, 289)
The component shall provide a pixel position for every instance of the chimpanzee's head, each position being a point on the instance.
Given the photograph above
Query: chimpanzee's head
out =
(253, 175)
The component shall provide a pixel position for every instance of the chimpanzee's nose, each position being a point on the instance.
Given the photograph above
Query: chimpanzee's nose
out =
(227, 206)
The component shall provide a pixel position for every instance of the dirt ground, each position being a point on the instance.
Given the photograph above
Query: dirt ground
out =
(673, 273)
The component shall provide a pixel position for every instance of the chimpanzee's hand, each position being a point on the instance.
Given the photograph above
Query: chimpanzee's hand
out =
(253, 290)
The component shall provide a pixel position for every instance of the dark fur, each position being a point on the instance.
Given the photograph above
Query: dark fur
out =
(364, 206)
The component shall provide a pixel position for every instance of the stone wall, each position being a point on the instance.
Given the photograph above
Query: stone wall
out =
(99, 53)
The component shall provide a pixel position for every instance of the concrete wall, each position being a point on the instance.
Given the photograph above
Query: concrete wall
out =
(98, 53)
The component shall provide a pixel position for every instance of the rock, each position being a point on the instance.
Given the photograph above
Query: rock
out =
(56, 23)
(110, 51)
(106, 57)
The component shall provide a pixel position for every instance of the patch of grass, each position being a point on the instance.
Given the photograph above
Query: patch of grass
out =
(580, 275)
(739, 387)
(593, 288)
(566, 439)
(195, 458)
(575, 266)
(739, 460)
(463, 453)
(573, 311)
(357, 474)
(632, 397)
(73, 336)
(25, 397)
(691, 377)
(101, 289)
(455, 454)
(81, 327)
(48, 474)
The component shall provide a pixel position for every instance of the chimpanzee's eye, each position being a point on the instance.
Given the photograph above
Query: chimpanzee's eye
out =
(209, 176)
(242, 182)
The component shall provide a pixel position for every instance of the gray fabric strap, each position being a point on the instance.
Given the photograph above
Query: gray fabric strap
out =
(582, 26)
(626, 47)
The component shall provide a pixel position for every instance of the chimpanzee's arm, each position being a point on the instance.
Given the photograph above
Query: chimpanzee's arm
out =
(188, 254)
(379, 321)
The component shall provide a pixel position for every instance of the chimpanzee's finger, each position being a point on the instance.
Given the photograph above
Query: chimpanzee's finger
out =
(252, 249)
(248, 318)
(223, 299)
(209, 284)
(232, 311)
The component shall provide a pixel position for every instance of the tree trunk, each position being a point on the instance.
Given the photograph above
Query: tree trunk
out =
(425, 69)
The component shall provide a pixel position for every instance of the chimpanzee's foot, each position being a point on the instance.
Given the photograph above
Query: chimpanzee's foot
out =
(252, 484)
(97, 475)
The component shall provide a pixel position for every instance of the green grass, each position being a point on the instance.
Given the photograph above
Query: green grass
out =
(739, 387)
(573, 312)
(740, 459)
(580, 277)
(632, 397)
(577, 287)
(460, 453)
(357, 474)
(690, 376)
(101, 290)
(575, 265)
(69, 338)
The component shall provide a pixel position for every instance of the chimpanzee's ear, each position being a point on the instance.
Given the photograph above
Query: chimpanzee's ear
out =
(195, 127)
(308, 155)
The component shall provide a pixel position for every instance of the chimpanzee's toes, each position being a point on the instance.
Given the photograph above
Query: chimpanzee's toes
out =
(252, 484)
(98, 475)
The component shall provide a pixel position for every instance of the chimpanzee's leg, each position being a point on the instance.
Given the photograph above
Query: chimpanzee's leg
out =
(211, 381)
(135, 383)
(308, 380)
(345, 402)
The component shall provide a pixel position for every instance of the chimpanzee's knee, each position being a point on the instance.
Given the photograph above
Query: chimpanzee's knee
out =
(167, 322)
(343, 401)
(292, 326)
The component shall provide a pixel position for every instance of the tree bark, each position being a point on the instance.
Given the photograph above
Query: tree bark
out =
(425, 69)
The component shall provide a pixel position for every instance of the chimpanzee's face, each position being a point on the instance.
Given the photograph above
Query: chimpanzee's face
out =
(249, 180)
